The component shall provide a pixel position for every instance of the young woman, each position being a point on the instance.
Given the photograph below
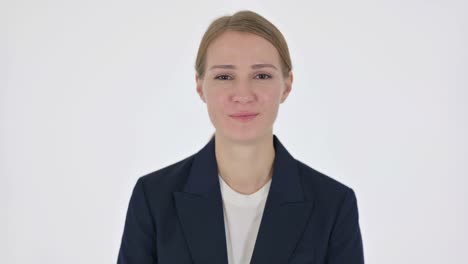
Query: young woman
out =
(242, 198)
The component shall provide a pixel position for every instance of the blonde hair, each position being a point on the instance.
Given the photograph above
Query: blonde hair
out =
(244, 21)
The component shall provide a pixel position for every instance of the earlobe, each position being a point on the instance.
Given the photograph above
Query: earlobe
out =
(287, 87)
(199, 88)
(200, 93)
(285, 95)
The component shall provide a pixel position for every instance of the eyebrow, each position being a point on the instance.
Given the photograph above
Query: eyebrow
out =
(254, 66)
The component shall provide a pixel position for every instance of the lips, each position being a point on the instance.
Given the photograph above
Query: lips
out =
(244, 114)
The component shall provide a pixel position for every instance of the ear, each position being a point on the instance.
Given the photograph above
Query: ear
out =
(287, 86)
(199, 86)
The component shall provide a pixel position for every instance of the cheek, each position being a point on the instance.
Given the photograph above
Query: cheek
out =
(216, 101)
(271, 99)
(216, 104)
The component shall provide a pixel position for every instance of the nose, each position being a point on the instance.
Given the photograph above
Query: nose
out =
(243, 93)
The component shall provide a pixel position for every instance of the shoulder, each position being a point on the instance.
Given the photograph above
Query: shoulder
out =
(321, 187)
(168, 179)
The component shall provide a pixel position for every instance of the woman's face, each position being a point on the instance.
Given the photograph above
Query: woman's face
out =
(243, 75)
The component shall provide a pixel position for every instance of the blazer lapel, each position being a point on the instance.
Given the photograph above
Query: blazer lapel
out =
(200, 210)
(286, 212)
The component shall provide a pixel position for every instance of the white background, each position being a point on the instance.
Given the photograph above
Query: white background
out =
(95, 94)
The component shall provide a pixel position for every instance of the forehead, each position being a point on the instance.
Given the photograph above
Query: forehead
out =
(239, 48)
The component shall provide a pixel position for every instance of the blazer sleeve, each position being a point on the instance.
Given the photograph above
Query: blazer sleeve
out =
(345, 244)
(138, 245)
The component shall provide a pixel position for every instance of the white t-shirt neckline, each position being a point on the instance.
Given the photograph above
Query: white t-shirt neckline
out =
(243, 200)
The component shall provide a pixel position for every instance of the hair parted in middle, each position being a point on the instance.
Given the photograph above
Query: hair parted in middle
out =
(249, 22)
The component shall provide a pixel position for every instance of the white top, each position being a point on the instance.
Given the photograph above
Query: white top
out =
(242, 216)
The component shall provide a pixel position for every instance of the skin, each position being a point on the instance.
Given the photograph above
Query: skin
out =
(244, 150)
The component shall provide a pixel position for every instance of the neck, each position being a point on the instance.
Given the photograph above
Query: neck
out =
(247, 167)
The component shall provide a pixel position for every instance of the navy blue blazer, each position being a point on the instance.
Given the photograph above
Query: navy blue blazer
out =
(175, 216)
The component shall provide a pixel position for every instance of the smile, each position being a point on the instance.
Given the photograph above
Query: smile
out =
(244, 118)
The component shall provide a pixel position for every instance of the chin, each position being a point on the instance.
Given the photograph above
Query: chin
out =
(243, 137)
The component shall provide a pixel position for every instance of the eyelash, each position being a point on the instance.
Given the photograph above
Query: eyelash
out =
(223, 75)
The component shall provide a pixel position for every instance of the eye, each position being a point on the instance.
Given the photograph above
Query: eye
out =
(223, 77)
(264, 76)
